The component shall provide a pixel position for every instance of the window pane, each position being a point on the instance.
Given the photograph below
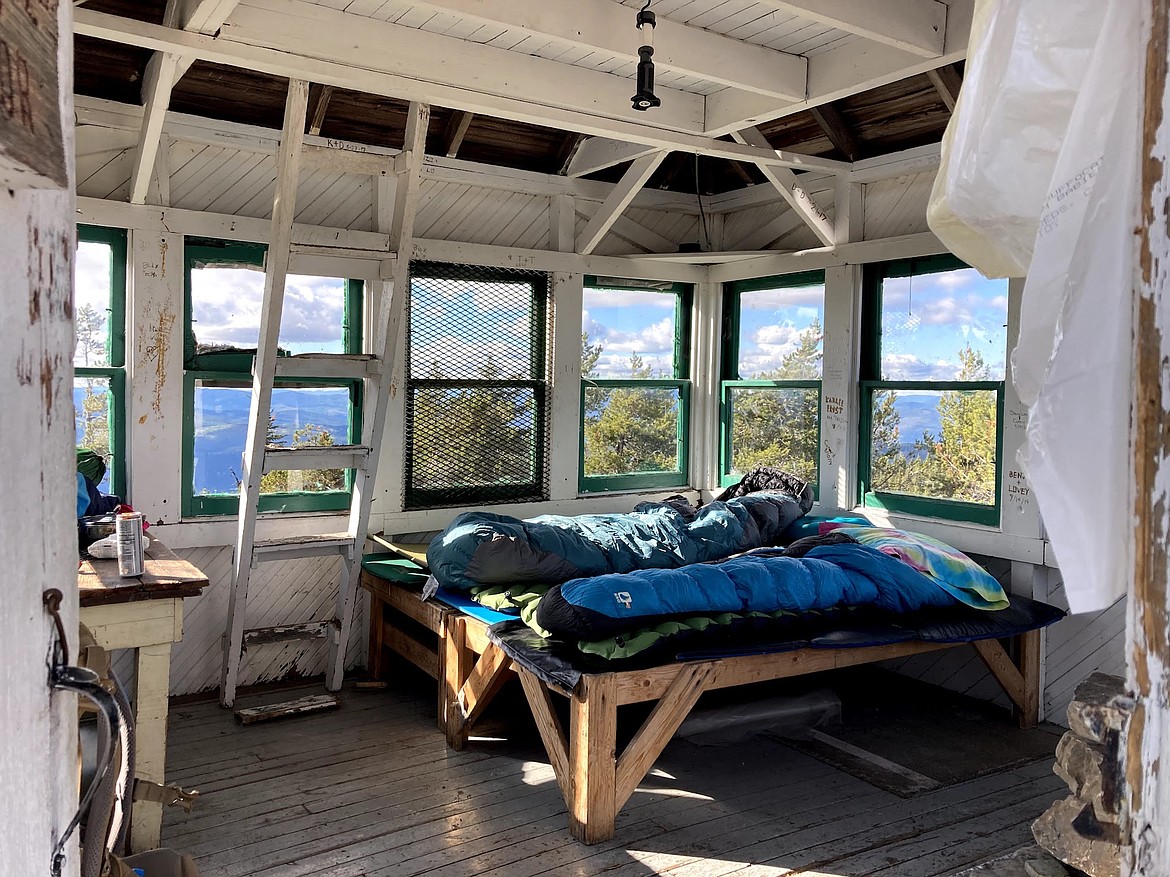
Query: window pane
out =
(226, 307)
(780, 333)
(472, 437)
(628, 333)
(92, 302)
(300, 416)
(775, 426)
(940, 445)
(467, 329)
(945, 326)
(630, 430)
(92, 404)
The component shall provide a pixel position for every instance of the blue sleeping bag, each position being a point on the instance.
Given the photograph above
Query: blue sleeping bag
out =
(479, 548)
(828, 576)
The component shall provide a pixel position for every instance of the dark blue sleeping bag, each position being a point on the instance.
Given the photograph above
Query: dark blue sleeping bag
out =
(828, 576)
(479, 548)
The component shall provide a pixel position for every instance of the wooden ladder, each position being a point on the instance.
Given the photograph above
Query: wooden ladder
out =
(372, 369)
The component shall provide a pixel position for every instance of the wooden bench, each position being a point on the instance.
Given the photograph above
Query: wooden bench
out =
(595, 780)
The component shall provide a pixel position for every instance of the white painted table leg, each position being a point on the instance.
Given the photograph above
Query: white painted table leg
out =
(150, 711)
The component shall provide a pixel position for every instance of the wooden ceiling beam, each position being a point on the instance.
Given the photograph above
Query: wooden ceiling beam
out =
(456, 131)
(947, 82)
(567, 151)
(598, 153)
(621, 196)
(837, 130)
(914, 26)
(555, 95)
(791, 190)
(839, 73)
(602, 26)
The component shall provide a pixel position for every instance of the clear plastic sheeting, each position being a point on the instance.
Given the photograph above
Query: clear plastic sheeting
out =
(1073, 361)
(1026, 61)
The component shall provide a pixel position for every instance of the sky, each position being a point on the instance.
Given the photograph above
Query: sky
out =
(225, 309)
(771, 322)
(91, 272)
(458, 326)
(630, 321)
(928, 319)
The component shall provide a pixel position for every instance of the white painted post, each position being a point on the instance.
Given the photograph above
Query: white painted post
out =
(564, 459)
(1019, 513)
(154, 380)
(840, 399)
(38, 763)
(706, 335)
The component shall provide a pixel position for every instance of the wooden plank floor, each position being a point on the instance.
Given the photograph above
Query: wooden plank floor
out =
(372, 791)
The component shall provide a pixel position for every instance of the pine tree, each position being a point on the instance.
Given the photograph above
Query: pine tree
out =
(634, 429)
(960, 462)
(780, 427)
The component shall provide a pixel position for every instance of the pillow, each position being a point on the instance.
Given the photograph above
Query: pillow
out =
(949, 568)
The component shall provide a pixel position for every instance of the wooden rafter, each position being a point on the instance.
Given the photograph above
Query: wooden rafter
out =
(456, 131)
(605, 27)
(790, 189)
(319, 44)
(837, 130)
(839, 73)
(946, 81)
(317, 119)
(623, 193)
(163, 70)
(598, 153)
(914, 26)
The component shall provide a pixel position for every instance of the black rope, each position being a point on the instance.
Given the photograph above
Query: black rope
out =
(705, 243)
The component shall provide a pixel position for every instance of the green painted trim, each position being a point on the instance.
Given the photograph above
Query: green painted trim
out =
(923, 506)
(228, 504)
(777, 281)
(116, 240)
(679, 477)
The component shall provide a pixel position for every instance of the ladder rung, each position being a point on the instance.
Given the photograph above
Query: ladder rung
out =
(349, 366)
(289, 547)
(288, 632)
(314, 703)
(316, 457)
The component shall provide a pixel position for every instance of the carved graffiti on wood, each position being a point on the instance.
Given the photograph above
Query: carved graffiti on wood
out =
(32, 151)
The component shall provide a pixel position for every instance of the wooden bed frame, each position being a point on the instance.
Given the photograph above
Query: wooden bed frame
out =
(595, 780)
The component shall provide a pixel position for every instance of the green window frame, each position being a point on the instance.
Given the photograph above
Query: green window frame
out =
(115, 350)
(419, 453)
(732, 385)
(871, 384)
(679, 385)
(234, 369)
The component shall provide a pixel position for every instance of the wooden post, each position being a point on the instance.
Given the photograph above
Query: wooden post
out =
(456, 667)
(1147, 750)
(38, 747)
(592, 758)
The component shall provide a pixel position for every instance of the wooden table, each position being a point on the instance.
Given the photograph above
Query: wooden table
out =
(144, 613)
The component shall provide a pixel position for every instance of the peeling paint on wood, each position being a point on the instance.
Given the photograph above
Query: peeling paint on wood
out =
(155, 353)
(32, 148)
(1148, 739)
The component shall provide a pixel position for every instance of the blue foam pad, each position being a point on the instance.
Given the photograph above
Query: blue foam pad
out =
(460, 601)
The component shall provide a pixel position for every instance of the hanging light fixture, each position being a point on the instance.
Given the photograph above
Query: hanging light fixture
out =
(645, 98)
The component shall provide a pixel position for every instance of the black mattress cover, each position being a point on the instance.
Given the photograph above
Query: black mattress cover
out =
(562, 664)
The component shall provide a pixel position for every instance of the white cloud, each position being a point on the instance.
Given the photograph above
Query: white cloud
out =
(776, 299)
(909, 367)
(627, 298)
(226, 309)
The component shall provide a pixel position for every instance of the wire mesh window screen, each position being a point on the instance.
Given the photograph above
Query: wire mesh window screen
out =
(477, 397)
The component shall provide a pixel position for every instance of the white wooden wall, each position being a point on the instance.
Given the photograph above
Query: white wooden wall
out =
(211, 174)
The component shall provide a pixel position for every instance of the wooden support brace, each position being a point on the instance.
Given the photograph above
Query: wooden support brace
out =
(641, 753)
(592, 750)
(552, 732)
(482, 684)
(1020, 684)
